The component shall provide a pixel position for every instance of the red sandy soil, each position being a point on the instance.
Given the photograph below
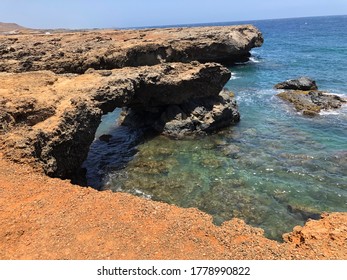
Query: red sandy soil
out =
(45, 218)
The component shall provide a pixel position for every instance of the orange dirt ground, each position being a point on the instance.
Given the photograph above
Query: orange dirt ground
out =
(45, 218)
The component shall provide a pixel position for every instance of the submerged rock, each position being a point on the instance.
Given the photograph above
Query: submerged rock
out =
(304, 214)
(105, 138)
(302, 83)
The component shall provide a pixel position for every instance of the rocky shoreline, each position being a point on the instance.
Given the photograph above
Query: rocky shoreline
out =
(50, 118)
(54, 90)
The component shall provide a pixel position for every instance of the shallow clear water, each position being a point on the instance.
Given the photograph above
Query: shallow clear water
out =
(276, 168)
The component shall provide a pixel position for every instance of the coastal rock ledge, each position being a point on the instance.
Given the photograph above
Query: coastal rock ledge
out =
(49, 115)
(51, 119)
(76, 52)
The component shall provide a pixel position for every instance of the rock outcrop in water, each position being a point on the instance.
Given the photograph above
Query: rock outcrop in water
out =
(303, 93)
(302, 83)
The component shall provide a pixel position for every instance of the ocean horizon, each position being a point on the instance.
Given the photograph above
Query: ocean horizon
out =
(222, 23)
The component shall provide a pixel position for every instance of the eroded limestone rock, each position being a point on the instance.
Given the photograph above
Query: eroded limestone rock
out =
(76, 52)
(198, 116)
(51, 119)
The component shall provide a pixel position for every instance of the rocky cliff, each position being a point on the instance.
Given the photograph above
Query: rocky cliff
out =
(76, 52)
(50, 117)
(53, 118)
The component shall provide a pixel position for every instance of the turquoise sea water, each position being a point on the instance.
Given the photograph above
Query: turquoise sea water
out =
(276, 168)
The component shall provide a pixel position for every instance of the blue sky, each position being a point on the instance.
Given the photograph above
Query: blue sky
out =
(136, 13)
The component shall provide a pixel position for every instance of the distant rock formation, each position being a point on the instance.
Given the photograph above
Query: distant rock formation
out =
(303, 93)
(10, 28)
